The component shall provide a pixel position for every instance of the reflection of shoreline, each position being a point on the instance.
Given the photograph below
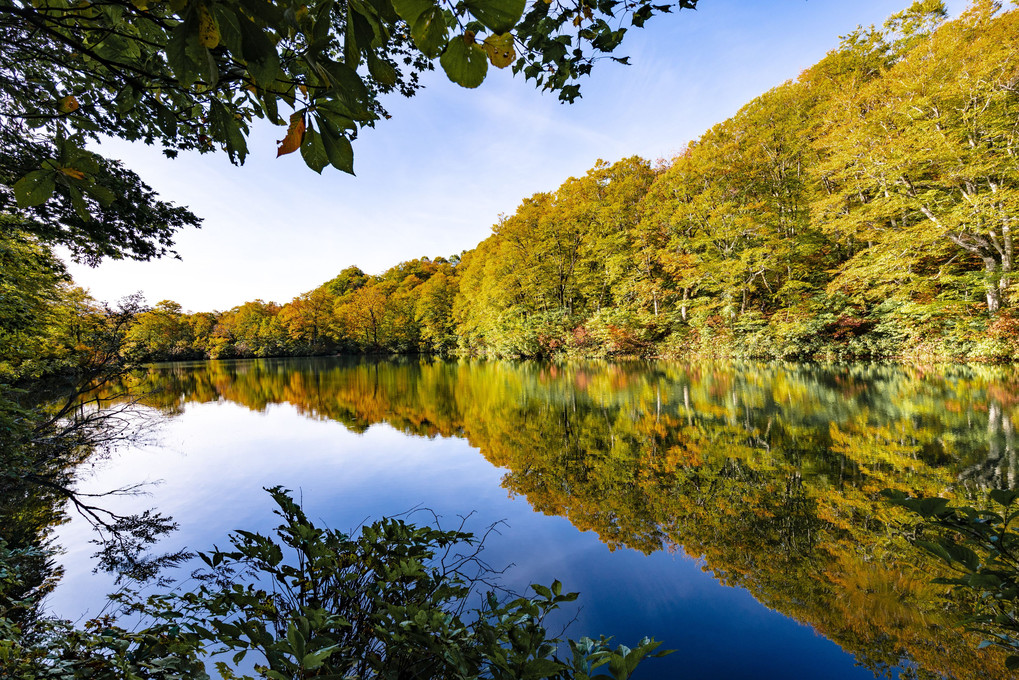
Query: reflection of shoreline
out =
(769, 473)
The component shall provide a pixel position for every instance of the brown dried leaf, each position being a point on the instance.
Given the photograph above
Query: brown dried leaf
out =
(68, 104)
(73, 173)
(499, 49)
(295, 135)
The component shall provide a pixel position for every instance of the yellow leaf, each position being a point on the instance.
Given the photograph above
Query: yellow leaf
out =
(295, 135)
(72, 173)
(301, 12)
(208, 30)
(303, 89)
(499, 49)
(68, 104)
(141, 5)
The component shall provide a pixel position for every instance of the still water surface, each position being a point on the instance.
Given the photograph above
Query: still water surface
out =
(730, 510)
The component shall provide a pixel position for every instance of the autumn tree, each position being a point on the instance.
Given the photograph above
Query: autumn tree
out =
(163, 332)
(922, 163)
(434, 312)
(363, 315)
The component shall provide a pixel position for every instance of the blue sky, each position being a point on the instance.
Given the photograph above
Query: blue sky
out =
(434, 179)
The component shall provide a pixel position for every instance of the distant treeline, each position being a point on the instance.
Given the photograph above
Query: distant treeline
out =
(863, 209)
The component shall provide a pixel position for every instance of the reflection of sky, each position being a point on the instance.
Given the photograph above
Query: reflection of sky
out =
(344, 478)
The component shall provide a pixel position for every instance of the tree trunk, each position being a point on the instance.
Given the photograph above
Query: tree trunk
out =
(997, 264)
(994, 280)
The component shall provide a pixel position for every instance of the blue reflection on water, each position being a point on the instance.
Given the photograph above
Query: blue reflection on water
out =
(215, 458)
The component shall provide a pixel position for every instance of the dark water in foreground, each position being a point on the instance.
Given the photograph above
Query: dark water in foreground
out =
(731, 510)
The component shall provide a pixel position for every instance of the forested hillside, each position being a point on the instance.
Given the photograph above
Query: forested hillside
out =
(863, 209)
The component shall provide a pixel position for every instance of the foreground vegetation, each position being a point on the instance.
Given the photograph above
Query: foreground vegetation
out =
(398, 601)
(981, 545)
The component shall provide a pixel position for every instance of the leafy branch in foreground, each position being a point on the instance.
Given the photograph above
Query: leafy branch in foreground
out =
(196, 74)
(397, 601)
(982, 547)
(193, 74)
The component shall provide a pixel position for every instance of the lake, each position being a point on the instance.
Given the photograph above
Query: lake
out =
(729, 509)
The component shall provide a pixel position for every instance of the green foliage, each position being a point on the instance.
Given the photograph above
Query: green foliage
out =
(862, 210)
(95, 207)
(34, 291)
(982, 547)
(194, 75)
(393, 602)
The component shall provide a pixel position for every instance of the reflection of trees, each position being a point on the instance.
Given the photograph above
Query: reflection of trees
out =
(770, 473)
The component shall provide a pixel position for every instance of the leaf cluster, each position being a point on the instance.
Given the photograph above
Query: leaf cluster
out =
(396, 601)
(982, 546)
(195, 74)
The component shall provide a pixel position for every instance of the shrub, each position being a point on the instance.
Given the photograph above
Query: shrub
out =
(396, 601)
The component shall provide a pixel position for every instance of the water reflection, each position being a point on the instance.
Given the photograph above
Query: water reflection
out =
(769, 473)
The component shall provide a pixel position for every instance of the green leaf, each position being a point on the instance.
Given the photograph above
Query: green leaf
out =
(381, 70)
(498, 15)
(35, 188)
(259, 53)
(313, 151)
(227, 128)
(429, 31)
(410, 10)
(314, 660)
(337, 147)
(268, 11)
(296, 640)
(617, 666)
(962, 555)
(936, 550)
(80, 207)
(1003, 497)
(229, 28)
(351, 53)
(366, 28)
(208, 68)
(464, 62)
(347, 84)
(542, 668)
(177, 55)
(928, 507)
(103, 195)
(323, 22)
